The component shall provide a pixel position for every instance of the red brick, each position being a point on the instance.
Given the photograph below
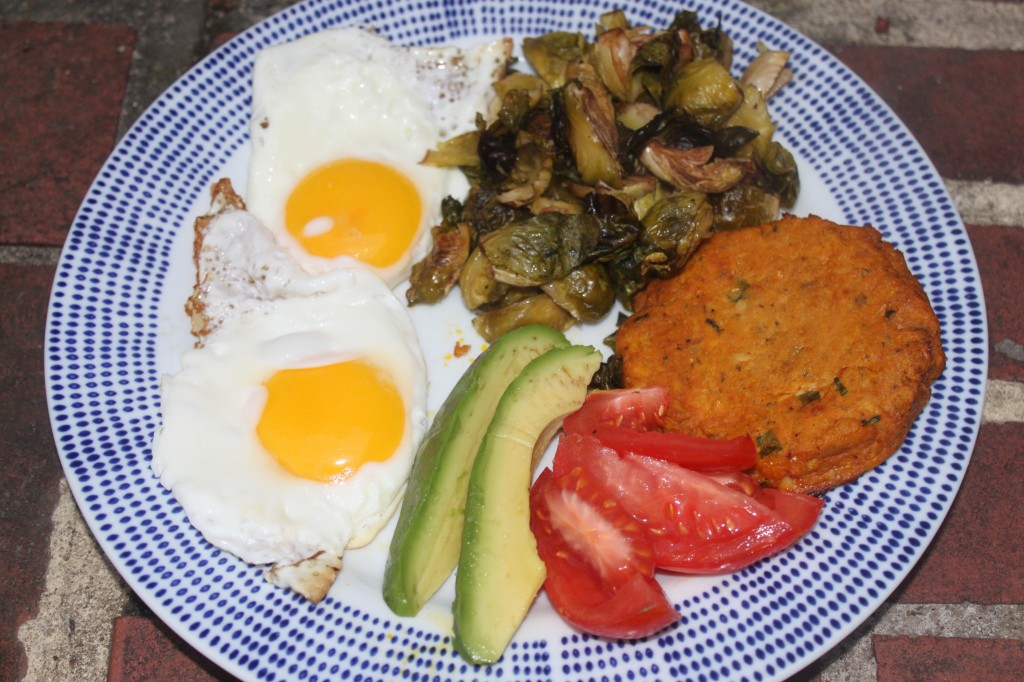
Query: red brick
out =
(29, 468)
(961, 105)
(63, 86)
(977, 554)
(1000, 254)
(947, 659)
(145, 650)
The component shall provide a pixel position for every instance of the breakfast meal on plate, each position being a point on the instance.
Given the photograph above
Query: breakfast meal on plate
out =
(603, 170)
(812, 337)
(765, 359)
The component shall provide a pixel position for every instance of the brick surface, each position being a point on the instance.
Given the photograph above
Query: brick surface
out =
(144, 650)
(966, 108)
(63, 85)
(29, 470)
(1000, 255)
(941, 659)
(977, 555)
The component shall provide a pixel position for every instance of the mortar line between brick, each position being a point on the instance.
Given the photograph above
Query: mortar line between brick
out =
(29, 255)
(988, 203)
(70, 635)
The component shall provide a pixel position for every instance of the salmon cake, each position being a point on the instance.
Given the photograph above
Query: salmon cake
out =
(813, 338)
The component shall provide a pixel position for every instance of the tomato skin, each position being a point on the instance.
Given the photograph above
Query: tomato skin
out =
(630, 421)
(603, 583)
(799, 511)
(637, 608)
(693, 452)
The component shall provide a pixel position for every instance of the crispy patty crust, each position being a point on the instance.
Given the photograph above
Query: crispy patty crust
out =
(812, 337)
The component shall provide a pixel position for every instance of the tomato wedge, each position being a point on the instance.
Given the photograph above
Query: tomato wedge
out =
(600, 565)
(799, 511)
(630, 421)
(696, 524)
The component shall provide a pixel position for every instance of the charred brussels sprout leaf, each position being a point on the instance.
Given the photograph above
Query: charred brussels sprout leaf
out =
(539, 309)
(586, 292)
(459, 151)
(497, 152)
(608, 375)
(712, 43)
(541, 249)
(618, 225)
(485, 211)
(744, 206)
(677, 130)
(530, 176)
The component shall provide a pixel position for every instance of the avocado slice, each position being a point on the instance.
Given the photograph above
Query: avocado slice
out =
(499, 571)
(425, 546)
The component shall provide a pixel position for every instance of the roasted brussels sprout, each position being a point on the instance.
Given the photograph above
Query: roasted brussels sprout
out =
(485, 212)
(541, 249)
(539, 309)
(704, 90)
(612, 58)
(712, 43)
(586, 293)
(477, 283)
(530, 176)
(553, 55)
(672, 230)
(693, 169)
(753, 114)
(768, 72)
(677, 224)
(779, 174)
(434, 276)
(744, 206)
(592, 133)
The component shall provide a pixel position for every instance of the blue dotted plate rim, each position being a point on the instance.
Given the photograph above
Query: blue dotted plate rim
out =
(766, 622)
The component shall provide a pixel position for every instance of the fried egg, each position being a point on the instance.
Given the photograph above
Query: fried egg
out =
(290, 430)
(341, 120)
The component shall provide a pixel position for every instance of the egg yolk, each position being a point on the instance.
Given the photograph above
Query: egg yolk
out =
(353, 207)
(323, 423)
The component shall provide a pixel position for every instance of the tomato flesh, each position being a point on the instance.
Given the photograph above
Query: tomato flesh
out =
(600, 565)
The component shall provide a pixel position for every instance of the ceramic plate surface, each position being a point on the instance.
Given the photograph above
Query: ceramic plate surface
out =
(116, 324)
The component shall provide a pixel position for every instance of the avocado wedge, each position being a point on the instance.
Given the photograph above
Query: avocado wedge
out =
(499, 571)
(425, 546)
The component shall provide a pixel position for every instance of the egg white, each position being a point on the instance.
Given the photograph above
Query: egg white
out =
(272, 316)
(348, 93)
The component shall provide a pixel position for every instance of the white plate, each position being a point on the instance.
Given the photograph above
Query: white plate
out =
(116, 324)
